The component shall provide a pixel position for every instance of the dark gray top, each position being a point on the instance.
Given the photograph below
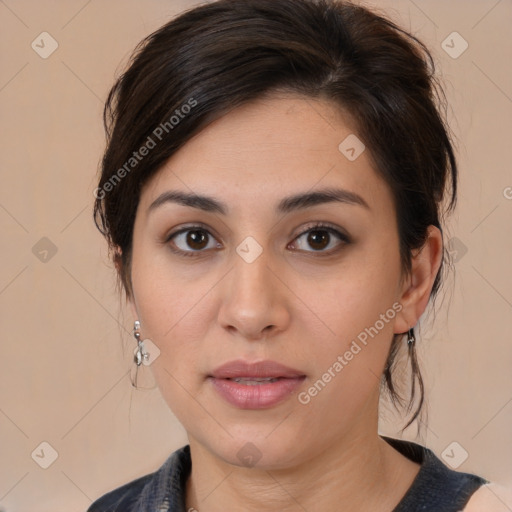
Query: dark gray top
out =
(436, 487)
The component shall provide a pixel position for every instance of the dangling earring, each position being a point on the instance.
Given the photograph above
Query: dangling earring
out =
(142, 357)
(411, 339)
(140, 354)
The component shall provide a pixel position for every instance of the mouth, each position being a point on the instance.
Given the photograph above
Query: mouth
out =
(252, 381)
(257, 385)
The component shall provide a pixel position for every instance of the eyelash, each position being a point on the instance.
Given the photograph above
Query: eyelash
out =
(320, 226)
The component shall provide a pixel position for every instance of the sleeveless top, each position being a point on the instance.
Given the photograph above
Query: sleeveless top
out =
(436, 487)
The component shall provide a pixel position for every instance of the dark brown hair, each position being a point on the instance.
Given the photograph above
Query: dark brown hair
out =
(218, 56)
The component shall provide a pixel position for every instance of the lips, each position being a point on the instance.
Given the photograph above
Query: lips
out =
(255, 385)
(260, 370)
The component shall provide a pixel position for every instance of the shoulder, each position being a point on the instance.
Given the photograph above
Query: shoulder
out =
(491, 497)
(122, 498)
(166, 486)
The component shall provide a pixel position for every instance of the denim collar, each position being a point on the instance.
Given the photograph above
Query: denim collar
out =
(165, 490)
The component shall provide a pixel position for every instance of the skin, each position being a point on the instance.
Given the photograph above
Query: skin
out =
(492, 497)
(292, 304)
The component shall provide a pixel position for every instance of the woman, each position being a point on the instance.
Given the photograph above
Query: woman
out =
(272, 190)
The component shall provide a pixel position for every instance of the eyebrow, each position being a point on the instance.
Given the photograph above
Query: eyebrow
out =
(286, 205)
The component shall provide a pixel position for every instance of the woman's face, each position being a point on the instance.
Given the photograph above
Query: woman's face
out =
(259, 282)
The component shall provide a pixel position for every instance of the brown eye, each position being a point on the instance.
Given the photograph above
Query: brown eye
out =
(193, 240)
(196, 239)
(320, 237)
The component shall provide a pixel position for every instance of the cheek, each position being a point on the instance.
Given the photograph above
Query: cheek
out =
(348, 365)
(356, 296)
(357, 311)
(164, 297)
(172, 315)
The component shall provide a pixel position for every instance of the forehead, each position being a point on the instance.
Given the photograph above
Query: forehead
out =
(271, 148)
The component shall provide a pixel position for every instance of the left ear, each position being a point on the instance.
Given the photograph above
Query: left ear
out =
(416, 288)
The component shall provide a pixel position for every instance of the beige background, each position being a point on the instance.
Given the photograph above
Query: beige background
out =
(65, 343)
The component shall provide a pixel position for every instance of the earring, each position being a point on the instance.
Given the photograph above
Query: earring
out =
(140, 355)
(411, 339)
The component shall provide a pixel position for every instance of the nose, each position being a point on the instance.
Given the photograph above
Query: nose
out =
(254, 303)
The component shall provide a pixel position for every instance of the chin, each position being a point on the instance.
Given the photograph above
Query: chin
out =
(255, 448)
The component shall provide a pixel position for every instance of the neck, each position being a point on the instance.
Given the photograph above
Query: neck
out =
(359, 470)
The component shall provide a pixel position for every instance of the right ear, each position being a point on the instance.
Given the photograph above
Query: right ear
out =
(118, 263)
(133, 308)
